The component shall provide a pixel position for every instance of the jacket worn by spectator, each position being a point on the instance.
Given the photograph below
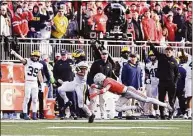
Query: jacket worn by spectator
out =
(149, 29)
(63, 70)
(180, 21)
(99, 66)
(188, 31)
(60, 26)
(38, 20)
(138, 30)
(167, 67)
(132, 75)
(20, 23)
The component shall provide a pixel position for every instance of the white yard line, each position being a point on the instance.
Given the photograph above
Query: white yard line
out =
(73, 121)
(110, 128)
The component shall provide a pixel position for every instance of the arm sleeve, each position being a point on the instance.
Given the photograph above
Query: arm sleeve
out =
(16, 27)
(92, 73)
(145, 56)
(155, 51)
(46, 72)
(176, 74)
(29, 15)
(141, 78)
(117, 69)
(124, 75)
(55, 72)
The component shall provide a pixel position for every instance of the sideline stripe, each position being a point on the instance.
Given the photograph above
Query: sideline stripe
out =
(73, 121)
(111, 127)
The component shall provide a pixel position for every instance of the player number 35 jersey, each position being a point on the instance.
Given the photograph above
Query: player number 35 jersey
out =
(31, 70)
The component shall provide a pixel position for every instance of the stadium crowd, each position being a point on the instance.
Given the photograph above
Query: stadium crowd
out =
(146, 21)
(155, 21)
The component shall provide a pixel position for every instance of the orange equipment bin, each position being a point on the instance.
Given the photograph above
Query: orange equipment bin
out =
(6, 72)
(49, 112)
(18, 73)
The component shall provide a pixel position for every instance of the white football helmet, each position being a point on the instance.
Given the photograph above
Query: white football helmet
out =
(82, 68)
(99, 78)
(82, 64)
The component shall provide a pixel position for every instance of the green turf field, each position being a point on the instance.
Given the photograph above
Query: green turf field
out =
(99, 128)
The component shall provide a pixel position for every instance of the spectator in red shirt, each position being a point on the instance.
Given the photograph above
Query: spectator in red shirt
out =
(171, 28)
(99, 20)
(149, 27)
(20, 22)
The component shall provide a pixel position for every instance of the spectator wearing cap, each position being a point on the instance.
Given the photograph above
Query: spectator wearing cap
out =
(132, 76)
(149, 27)
(98, 21)
(187, 30)
(137, 27)
(5, 22)
(60, 25)
(172, 28)
(20, 22)
(132, 73)
(63, 70)
(100, 66)
(179, 19)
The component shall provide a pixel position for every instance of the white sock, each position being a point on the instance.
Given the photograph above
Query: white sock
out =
(157, 112)
(86, 110)
(25, 104)
(189, 110)
(34, 106)
(126, 108)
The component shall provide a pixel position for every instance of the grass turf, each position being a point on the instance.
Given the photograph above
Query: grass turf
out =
(125, 128)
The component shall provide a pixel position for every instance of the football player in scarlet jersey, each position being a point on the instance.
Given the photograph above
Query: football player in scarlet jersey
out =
(111, 85)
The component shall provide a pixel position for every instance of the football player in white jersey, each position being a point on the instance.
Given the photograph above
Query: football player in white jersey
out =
(188, 88)
(32, 71)
(152, 82)
(79, 85)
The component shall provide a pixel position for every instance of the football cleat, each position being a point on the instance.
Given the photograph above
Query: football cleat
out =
(26, 117)
(91, 118)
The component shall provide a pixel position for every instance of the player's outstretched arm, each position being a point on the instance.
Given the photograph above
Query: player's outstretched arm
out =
(102, 91)
(24, 61)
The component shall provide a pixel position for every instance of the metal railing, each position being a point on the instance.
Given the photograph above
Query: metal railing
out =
(52, 46)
